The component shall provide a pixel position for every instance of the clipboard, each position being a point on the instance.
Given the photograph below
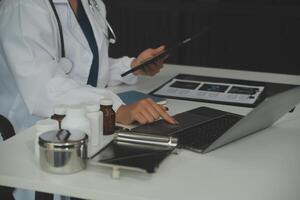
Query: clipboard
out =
(195, 83)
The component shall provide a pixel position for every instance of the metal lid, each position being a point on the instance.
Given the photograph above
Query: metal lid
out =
(62, 139)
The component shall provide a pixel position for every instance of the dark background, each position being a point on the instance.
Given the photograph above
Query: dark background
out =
(255, 35)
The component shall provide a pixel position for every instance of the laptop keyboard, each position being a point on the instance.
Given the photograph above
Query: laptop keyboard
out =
(199, 137)
(197, 128)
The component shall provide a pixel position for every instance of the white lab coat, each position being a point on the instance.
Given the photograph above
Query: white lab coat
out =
(34, 77)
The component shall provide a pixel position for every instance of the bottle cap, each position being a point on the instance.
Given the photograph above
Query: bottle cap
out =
(92, 107)
(75, 110)
(106, 102)
(46, 125)
(60, 110)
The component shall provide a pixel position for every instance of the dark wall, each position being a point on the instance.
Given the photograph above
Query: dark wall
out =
(259, 35)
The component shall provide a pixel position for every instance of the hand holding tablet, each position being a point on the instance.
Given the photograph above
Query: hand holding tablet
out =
(153, 67)
(164, 54)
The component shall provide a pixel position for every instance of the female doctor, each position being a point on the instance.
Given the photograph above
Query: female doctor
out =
(56, 52)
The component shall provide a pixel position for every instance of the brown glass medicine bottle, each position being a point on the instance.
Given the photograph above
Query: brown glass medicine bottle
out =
(109, 116)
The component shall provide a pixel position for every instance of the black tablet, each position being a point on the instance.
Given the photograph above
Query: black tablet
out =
(166, 53)
(130, 155)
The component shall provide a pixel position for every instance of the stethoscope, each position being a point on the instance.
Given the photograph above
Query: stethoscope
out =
(93, 5)
(96, 11)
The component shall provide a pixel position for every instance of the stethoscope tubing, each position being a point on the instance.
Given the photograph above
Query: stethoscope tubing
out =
(94, 5)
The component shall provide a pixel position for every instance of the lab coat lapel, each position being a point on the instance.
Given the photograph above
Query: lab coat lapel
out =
(76, 45)
(76, 30)
(98, 26)
(72, 23)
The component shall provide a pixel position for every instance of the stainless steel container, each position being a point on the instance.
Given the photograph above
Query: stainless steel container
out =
(63, 151)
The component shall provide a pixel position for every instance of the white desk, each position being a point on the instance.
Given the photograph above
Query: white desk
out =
(263, 166)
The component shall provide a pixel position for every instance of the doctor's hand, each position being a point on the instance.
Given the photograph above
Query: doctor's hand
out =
(143, 111)
(151, 69)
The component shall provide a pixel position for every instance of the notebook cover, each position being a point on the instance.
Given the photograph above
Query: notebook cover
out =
(133, 96)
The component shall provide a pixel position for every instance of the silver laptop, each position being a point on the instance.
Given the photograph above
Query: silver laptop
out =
(204, 129)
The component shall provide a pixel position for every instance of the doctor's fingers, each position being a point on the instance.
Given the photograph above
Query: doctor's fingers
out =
(156, 66)
(146, 117)
(161, 111)
(149, 53)
(152, 69)
(144, 112)
(162, 60)
(159, 50)
(139, 117)
(151, 111)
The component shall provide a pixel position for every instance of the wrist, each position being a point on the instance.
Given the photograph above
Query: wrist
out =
(119, 114)
(123, 115)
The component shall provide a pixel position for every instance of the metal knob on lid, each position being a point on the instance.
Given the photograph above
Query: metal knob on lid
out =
(62, 139)
(63, 151)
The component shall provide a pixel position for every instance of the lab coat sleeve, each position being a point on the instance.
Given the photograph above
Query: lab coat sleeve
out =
(118, 66)
(30, 50)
